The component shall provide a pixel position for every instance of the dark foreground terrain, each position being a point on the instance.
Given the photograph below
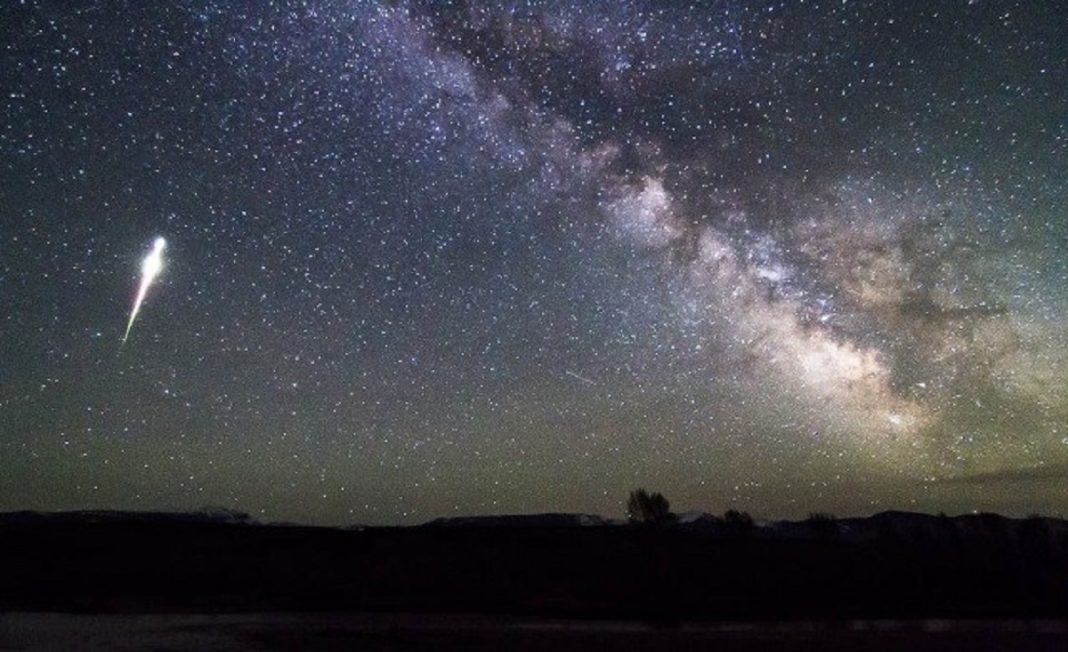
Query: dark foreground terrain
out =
(561, 582)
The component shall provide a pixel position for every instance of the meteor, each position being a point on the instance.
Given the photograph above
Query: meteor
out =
(150, 269)
(582, 378)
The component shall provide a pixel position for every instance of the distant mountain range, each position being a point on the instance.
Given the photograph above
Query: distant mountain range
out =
(880, 525)
(888, 523)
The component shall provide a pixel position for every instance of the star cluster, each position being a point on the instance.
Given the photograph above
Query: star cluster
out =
(435, 258)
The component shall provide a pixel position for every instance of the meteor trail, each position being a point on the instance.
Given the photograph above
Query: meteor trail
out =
(582, 378)
(150, 269)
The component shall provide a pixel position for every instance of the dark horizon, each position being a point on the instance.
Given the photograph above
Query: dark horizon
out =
(232, 514)
(893, 567)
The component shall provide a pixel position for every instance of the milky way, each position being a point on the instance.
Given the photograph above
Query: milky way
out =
(429, 259)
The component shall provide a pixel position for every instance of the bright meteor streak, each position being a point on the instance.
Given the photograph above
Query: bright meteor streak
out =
(150, 269)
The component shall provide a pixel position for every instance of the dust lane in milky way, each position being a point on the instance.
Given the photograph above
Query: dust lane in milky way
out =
(435, 259)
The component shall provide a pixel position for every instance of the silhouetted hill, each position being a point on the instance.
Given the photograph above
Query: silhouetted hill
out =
(890, 565)
(203, 515)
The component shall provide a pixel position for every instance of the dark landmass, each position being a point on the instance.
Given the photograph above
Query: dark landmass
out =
(378, 631)
(702, 568)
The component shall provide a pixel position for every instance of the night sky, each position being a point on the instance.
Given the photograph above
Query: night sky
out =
(428, 259)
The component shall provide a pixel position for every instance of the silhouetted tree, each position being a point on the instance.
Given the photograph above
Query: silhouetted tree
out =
(822, 524)
(648, 508)
(739, 524)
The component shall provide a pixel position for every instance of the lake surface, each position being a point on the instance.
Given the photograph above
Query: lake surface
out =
(365, 631)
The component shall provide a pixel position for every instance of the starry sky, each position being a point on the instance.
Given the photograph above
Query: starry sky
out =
(429, 259)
